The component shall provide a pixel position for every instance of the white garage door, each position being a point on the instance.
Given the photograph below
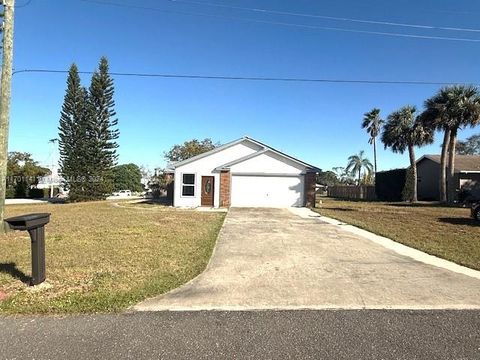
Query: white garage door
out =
(267, 191)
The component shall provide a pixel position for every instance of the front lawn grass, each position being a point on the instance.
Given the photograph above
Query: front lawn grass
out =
(446, 232)
(104, 258)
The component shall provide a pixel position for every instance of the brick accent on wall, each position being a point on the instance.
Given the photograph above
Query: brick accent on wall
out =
(225, 184)
(310, 181)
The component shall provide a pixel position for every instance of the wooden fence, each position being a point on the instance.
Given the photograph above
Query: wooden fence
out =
(364, 192)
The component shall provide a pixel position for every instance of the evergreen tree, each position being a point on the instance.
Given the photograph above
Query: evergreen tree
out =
(87, 135)
(72, 135)
(102, 132)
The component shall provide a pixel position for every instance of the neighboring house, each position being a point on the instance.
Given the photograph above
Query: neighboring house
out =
(53, 180)
(244, 172)
(467, 175)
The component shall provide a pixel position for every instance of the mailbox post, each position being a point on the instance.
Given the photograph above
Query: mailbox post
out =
(35, 225)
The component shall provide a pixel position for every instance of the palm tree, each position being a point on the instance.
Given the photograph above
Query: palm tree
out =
(451, 109)
(357, 163)
(373, 123)
(403, 130)
(343, 175)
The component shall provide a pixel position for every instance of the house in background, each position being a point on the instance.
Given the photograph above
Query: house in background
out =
(467, 175)
(52, 181)
(245, 173)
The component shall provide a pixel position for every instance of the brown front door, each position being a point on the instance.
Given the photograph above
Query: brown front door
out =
(208, 183)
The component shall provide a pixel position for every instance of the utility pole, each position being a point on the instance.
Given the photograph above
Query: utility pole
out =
(52, 169)
(5, 95)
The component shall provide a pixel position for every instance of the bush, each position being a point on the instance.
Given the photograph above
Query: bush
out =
(36, 193)
(394, 185)
(20, 190)
(10, 192)
(469, 192)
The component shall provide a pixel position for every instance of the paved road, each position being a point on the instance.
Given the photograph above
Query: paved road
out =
(274, 259)
(329, 334)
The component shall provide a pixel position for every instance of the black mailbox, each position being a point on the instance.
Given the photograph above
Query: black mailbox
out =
(35, 225)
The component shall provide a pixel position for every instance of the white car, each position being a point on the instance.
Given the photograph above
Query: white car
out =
(123, 193)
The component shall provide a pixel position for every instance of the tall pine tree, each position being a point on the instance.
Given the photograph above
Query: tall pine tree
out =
(72, 135)
(87, 135)
(103, 128)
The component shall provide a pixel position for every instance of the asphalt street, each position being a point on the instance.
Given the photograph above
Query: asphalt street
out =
(300, 334)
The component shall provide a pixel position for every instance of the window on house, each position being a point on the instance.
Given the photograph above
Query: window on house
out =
(188, 185)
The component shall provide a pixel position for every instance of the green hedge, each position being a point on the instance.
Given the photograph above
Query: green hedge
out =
(394, 185)
(35, 194)
(10, 193)
(19, 191)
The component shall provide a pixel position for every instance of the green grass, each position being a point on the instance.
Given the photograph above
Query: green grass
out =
(446, 232)
(104, 258)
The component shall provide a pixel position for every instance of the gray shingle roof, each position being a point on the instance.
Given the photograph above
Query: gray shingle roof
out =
(462, 162)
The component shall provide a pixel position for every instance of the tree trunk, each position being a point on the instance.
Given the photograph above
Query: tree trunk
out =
(443, 169)
(452, 186)
(375, 156)
(359, 175)
(413, 166)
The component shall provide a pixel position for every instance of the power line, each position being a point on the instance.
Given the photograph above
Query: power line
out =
(251, 78)
(24, 5)
(287, 24)
(363, 21)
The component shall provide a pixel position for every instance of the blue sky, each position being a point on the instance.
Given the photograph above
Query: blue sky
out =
(319, 123)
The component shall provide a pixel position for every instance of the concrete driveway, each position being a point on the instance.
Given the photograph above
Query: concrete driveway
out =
(275, 259)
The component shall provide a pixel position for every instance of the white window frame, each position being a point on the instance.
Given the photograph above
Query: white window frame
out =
(194, 185)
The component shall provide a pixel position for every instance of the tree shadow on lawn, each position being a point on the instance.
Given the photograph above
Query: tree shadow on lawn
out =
(11, 269)
(394, 203)
(336, 208)
(160, 201)
(460, 221)
(419, 204)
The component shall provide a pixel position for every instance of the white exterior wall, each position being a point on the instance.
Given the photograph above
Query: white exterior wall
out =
(267, 163)
(205, 167)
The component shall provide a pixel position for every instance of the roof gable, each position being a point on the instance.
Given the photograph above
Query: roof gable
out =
(268, 151)
(262, 148)
(213, 151)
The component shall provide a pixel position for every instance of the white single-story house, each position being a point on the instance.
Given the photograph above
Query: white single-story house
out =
(243, 173)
